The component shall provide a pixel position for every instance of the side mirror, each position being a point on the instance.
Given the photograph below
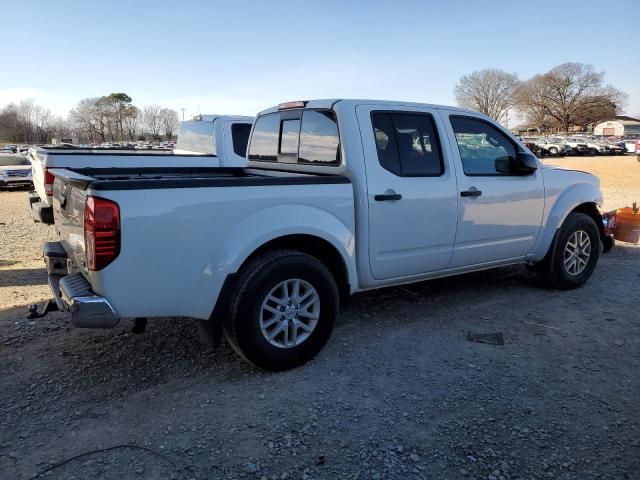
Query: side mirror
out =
(504, 165)
(526, 163)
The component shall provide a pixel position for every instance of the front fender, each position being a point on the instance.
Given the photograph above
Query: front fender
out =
(269, 224)
(560, 204)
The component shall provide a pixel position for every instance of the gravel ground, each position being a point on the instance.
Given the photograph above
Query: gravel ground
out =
(397, 393)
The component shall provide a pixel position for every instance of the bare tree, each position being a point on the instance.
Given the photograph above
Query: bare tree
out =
(569, 94)
(489, 91)
(9, 130)
(26, 122)
(88, 121)
(26, 114)
(152, 120)
(61, 128)
(43, 124)
(170, 121)
(131, 121)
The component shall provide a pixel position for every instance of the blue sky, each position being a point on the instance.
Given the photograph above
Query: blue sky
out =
(242, 56)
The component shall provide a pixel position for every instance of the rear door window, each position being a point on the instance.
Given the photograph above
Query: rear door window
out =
(407, 144)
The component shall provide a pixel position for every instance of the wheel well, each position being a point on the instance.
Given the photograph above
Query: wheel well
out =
(591, 209)
(316, 247)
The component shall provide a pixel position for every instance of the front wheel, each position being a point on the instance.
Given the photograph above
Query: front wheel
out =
(283, 311)
(570, 264)
(553, 151)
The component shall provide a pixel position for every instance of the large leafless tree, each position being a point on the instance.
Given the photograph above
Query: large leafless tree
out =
(26, 122)
(569, 94)
(489, 91)
(152, 120)
(170, 121)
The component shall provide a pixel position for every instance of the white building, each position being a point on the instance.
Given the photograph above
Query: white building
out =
(618, 127)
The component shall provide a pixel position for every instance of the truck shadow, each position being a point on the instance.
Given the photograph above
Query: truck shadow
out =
(20, 277)
(484, 287)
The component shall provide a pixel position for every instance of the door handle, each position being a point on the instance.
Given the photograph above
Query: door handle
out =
(387, 197)
(471, 193)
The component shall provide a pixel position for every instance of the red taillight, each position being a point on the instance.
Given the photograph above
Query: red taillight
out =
(48, 181)
(101, 232)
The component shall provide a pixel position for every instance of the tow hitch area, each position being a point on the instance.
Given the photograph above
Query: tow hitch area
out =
(622, 224)
(48, 306)
(609, 223)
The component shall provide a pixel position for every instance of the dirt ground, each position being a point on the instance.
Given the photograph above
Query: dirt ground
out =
(398, 392)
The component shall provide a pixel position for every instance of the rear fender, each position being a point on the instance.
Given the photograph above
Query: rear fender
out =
(261, 227)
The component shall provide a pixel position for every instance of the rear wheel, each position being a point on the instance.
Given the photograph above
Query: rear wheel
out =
(283, 311)
(570, 264)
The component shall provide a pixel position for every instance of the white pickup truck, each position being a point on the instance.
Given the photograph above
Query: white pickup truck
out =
(205, 141)
(339, 196)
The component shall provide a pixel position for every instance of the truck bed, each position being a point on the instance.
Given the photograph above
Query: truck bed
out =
(181, 177)
(185, 225)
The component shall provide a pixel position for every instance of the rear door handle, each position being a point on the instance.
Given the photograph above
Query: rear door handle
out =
(471, 193)
(387, 197)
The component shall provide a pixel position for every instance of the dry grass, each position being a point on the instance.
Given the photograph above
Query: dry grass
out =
(619, 176)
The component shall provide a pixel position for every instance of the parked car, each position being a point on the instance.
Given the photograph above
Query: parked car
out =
(631, 145)
(15, 170)
(533, 146)
(12, 147)
(551, 146)
(214, 141)
(614, 148)
(339, 196)
(594, 147)
(578, 146)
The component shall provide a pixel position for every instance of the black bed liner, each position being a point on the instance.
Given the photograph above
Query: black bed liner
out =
(187, 177)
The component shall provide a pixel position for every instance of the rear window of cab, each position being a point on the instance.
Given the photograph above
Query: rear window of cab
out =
(307, 137)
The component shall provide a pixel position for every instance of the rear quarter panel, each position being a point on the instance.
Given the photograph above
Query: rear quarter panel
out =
(179, 245)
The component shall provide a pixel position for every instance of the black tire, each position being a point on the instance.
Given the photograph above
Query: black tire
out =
(553, 271)
(242, 327)
(553, 151)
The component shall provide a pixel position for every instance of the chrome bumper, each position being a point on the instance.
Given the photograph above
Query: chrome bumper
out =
(72, 293)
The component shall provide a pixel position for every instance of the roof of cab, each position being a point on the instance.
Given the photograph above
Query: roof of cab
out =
(329, 104)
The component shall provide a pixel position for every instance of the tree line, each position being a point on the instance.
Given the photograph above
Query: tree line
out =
(108, 118)
(567, 95)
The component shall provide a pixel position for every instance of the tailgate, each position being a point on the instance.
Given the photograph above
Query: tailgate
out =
(69, 195)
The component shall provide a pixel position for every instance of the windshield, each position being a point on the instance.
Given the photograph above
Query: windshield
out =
(12, 160)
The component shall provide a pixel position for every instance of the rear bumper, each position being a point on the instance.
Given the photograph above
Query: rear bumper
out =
(40, 211)
(73, 293)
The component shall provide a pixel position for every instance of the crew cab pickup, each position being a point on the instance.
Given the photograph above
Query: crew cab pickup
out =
(205, 141)
(339, 196)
